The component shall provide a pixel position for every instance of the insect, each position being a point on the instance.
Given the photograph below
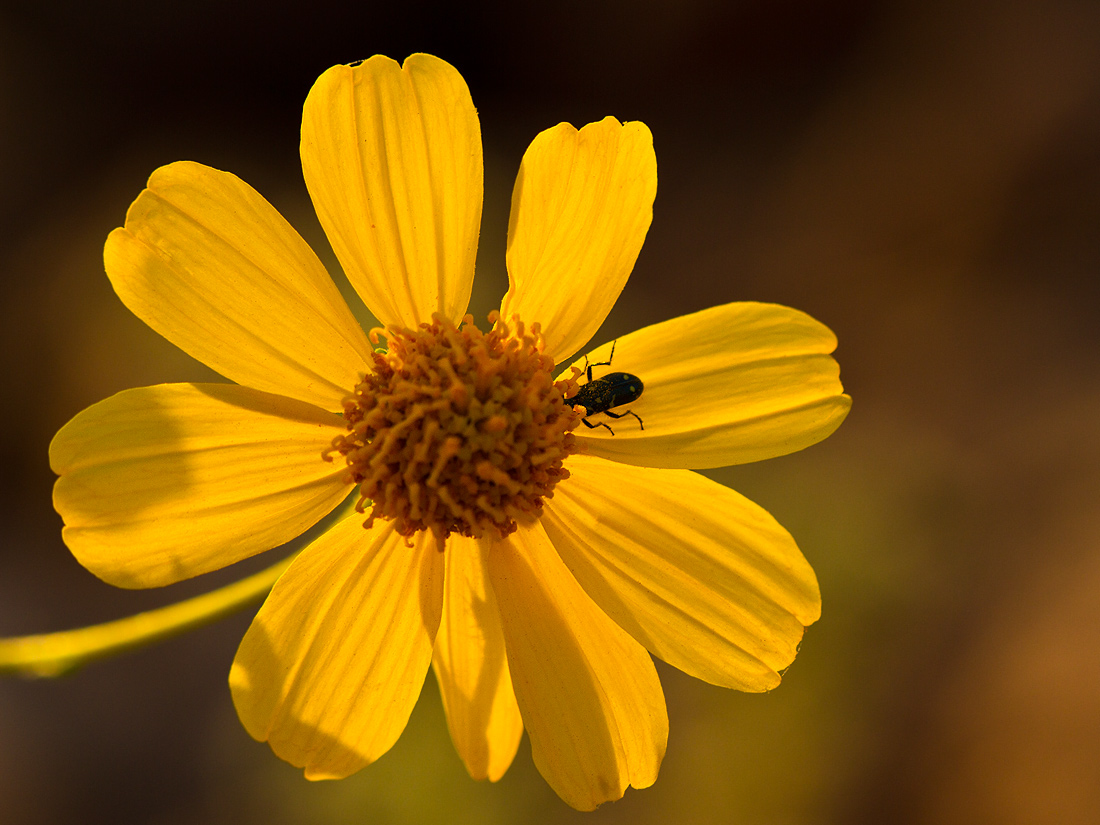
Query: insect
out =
(599, 395)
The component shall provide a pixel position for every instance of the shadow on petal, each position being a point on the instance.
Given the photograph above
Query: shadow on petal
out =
(331, 667)
(162, 483)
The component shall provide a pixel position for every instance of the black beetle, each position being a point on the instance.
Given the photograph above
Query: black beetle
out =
(599, 395)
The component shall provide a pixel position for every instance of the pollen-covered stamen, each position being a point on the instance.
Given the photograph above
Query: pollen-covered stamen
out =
(458, 431)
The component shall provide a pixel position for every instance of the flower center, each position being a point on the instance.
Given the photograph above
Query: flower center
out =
(458, 431)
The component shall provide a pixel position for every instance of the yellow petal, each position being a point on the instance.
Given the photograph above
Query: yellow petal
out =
(728, 385)
(333, 663)
(581, 208)
(470, 664)
(162, 483)
(392, 159)
(589, 693)
(704, 578)
(209, 264)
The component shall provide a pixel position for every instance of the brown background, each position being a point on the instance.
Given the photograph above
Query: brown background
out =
(921, 175)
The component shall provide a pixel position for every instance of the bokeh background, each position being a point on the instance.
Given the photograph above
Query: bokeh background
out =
(921, 175)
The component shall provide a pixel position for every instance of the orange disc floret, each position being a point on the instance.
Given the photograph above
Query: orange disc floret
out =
(456, 430)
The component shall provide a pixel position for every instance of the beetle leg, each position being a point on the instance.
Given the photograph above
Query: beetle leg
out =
(623, 414)
(592, 426)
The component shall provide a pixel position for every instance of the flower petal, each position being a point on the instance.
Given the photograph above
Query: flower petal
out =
(589, 693)
(470, 665)
(209, 264)
(163, 483)
(704, 578)
(731, 384)
(333, 663)
(581, 208)
(392, 159)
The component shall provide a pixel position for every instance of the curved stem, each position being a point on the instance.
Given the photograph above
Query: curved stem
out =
(53, 654)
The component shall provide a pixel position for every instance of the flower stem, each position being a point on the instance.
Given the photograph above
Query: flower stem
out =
(53, 654)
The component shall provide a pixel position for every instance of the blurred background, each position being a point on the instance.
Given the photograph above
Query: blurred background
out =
(921, 175)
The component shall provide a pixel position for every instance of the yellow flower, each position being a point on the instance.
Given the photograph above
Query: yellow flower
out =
(534, 567)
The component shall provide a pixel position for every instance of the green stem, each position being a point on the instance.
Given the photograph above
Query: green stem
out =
(53, 654)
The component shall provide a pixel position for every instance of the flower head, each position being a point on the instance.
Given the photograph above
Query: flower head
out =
(533, 565)
(455, 431)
